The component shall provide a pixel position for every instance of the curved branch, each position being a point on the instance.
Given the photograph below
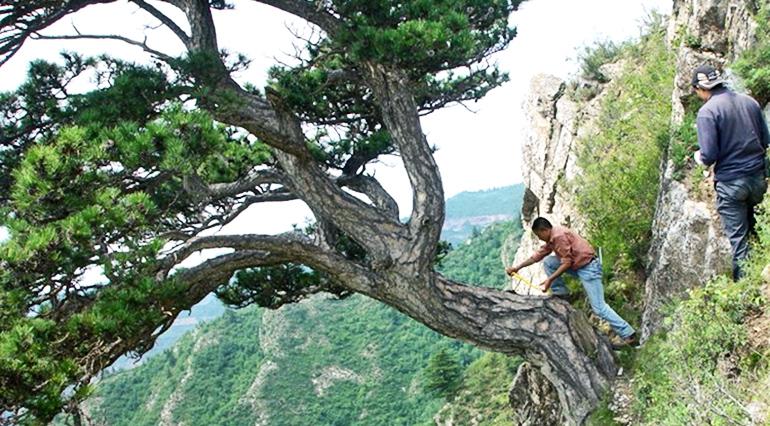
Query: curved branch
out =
(312, 12)
(248, 183)
(292, 247)
(25, 18)
(199, 282)
(203, 193)
(142, 44)
(274, 244)
(165, 20)
(370, 187)
(277, 249)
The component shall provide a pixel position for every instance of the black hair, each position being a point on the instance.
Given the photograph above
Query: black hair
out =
(541, 223)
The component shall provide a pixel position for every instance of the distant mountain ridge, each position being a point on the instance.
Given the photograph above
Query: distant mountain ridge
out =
(465, 212)
(321, 361)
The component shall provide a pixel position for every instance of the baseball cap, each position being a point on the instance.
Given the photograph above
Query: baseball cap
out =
(706, 77)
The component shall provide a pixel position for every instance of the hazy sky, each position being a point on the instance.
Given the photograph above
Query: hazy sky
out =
(476, 150)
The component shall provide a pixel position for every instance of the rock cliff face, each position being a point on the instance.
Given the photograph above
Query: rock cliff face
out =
(534, 400)
(557, 121)
(688, 245)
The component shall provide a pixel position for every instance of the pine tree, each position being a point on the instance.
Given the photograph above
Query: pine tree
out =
(443, 373)
(131, 178)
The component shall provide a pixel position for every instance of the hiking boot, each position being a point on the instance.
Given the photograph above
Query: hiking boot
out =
(631, 341)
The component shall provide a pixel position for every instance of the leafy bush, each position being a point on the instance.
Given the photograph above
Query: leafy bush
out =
(692, 374)
(753, 66)
(684, 142)
(618, 187)
(593, 57)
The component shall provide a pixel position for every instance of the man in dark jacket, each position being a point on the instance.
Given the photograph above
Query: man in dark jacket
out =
(733, 134)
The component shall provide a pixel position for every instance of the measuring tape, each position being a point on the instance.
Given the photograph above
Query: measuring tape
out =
(528, 283)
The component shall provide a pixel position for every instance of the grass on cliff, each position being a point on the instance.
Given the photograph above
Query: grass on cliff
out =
(712, 366)
(753, 65)
(618, 186)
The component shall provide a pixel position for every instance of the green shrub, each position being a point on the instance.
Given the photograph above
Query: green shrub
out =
(593, 57)
(684, 142)
(753, 66)
(618, 187)
(692, 373)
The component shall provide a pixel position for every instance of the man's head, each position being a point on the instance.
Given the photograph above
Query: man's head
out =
(542, 228)
(706, 78)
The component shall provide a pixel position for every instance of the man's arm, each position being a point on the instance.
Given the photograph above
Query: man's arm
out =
(563, 249)
(537, 257)
(511, 269)
(708, 138)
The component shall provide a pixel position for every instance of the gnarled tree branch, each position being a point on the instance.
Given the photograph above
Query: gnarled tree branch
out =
(399, 112)
(312, 12)
(142, 44)
(24, 18)
(370, 187)
(165, 20)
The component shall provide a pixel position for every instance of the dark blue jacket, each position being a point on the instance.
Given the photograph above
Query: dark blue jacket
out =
(732, 133)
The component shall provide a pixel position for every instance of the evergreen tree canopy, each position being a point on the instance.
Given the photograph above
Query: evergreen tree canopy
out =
(443, 373)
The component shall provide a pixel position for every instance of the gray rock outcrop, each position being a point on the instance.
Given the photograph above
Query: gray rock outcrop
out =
(688, 246)
(533, 399)
(549, 154)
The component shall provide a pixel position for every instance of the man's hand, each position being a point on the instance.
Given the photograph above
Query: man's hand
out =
(696, 157)
(546, 285)
(511, 270)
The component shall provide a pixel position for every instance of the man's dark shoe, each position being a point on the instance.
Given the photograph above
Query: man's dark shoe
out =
(569, 297)
(631, 341)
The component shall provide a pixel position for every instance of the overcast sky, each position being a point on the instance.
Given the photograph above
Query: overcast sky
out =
(477, 151)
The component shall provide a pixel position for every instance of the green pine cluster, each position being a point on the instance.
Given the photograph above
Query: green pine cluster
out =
(97, 171)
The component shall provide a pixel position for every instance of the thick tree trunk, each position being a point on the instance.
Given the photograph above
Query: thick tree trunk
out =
(547, 332)
(534, 400)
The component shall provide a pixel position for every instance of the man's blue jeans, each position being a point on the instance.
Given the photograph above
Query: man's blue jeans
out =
(590, 276)
(736, 200)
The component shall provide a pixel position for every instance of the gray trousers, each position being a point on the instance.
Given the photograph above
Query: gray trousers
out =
(736, 200)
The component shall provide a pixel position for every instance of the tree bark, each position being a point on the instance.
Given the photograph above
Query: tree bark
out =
(547, 332)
